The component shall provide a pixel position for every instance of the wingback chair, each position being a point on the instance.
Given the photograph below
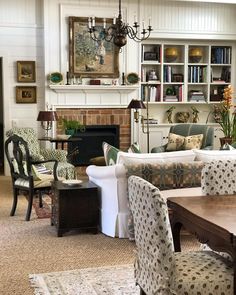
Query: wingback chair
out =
(24, 175)
(158, 270)
(188, 130)
(65, 169)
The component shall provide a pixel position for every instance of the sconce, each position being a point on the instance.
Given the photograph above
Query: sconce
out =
(138, 104)
(46, 118)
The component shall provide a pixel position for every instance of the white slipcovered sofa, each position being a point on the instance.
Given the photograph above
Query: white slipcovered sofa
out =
(113, 181)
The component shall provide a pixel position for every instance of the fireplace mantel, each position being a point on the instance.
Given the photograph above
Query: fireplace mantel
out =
(94, 88)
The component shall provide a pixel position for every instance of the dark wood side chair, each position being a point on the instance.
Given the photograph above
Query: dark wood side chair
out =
(24, 174)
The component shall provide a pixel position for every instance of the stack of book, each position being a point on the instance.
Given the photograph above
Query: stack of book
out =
(171, 98)
(195, 95)
(150, 121)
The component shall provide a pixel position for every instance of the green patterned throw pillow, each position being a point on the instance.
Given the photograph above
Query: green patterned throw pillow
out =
(110, 153)
(134, 148)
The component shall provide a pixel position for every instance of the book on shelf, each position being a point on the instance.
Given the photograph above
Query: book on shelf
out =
(171, 98)
(150, 121)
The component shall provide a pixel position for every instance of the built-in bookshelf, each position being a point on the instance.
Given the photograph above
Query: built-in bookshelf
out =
(183, 72)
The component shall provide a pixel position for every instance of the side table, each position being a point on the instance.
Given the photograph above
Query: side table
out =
(75, 207)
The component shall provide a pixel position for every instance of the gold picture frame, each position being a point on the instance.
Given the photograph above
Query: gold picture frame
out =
(26, 94)
(88, 58)
(26, 71)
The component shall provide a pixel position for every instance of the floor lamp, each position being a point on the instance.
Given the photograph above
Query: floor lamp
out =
(136, 105)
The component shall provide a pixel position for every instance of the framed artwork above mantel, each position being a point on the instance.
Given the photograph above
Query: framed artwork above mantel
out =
(89, 58)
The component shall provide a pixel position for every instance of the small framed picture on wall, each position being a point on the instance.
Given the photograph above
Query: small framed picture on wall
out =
(26, 71)
(26, 94)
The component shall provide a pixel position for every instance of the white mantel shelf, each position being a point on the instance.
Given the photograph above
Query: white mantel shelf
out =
(94, 88)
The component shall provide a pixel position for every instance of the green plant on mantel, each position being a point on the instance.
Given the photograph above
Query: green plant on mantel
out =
(72, 126)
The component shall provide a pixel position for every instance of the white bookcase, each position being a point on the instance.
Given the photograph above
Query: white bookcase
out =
(171, 73)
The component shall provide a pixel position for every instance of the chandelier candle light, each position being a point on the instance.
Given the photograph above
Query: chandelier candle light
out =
(118, 31)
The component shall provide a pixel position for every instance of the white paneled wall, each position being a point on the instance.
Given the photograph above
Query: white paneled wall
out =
(36, 30)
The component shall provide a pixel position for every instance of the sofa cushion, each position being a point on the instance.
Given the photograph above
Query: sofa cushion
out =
(210, 155)
(168, 175)
(193, 142)
(135, 158)
(178, 142)
(110, 153)
(134, 148)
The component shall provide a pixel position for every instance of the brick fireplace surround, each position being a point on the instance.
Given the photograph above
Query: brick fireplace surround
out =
(100, 116)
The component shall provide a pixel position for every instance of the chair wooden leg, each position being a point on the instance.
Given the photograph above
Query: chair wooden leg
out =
(40, 199)
(30, 203)
(142, 292)
(15, 199)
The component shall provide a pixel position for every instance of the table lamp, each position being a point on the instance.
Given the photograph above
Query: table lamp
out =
(46, 118)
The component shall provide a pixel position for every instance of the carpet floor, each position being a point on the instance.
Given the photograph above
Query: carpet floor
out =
(33, 247)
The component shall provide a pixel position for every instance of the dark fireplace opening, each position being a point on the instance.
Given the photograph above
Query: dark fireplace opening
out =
(89, 144)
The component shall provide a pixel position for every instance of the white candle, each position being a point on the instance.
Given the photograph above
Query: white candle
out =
(104, 23)
(143, 24)
(135, 18)
(114, 20)
(149, 21)
(93, 21)
(67, 66)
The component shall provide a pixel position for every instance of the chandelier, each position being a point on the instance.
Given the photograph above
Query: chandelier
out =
(118, 31)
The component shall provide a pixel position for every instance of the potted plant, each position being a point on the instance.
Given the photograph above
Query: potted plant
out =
(72, 126)
(226, 117)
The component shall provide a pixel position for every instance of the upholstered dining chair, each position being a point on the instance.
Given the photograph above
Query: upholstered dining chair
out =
(64, 169)
(158, 270)
(187, 129)
(24, 175)
(219, 178)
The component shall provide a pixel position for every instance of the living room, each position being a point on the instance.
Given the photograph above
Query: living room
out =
(38, 31)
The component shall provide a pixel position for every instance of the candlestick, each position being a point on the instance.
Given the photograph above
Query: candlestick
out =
(67, 78)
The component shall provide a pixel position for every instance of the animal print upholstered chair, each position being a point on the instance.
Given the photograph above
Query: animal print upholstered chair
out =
(158, 270)
(64, 169)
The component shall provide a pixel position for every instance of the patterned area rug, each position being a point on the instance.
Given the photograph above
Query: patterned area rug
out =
(109, 280)
(45, 211)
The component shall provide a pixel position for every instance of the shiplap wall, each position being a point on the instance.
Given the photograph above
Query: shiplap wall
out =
(30, 30)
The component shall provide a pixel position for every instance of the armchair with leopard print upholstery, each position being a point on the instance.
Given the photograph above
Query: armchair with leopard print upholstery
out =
(65, 169)
(158, 270)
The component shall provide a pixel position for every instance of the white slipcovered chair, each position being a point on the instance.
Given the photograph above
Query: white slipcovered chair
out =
(158, 270)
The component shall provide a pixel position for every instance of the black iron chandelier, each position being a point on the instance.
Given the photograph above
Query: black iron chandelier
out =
(118, 31)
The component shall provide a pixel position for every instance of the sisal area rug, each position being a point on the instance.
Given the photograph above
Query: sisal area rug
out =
(109, 280)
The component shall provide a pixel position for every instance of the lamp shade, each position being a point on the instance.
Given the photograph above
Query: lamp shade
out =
(136, 104)
(47, 116)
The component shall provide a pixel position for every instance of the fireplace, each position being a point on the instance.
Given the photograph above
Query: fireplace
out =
(90, 145)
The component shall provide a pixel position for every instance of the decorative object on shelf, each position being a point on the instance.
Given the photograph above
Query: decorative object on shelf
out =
(118, 31)
(123, 79)
(195, 113)
(148, 56)
(227, 116)
(178, 78)
(152, 76)
(182, 117)
(46, 118)
(26, 94)
(95, 82)
(169, 114)
(195, 54)
(171, 54)
(132, 78)
(67, 78)
(26, 71)
(55, 78)
(138, 104)
(87, 57)
(71, 126)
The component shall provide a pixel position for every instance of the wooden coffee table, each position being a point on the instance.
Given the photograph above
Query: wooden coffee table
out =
(75, 207)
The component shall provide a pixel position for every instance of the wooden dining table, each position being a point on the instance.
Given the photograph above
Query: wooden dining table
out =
(212, 219)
